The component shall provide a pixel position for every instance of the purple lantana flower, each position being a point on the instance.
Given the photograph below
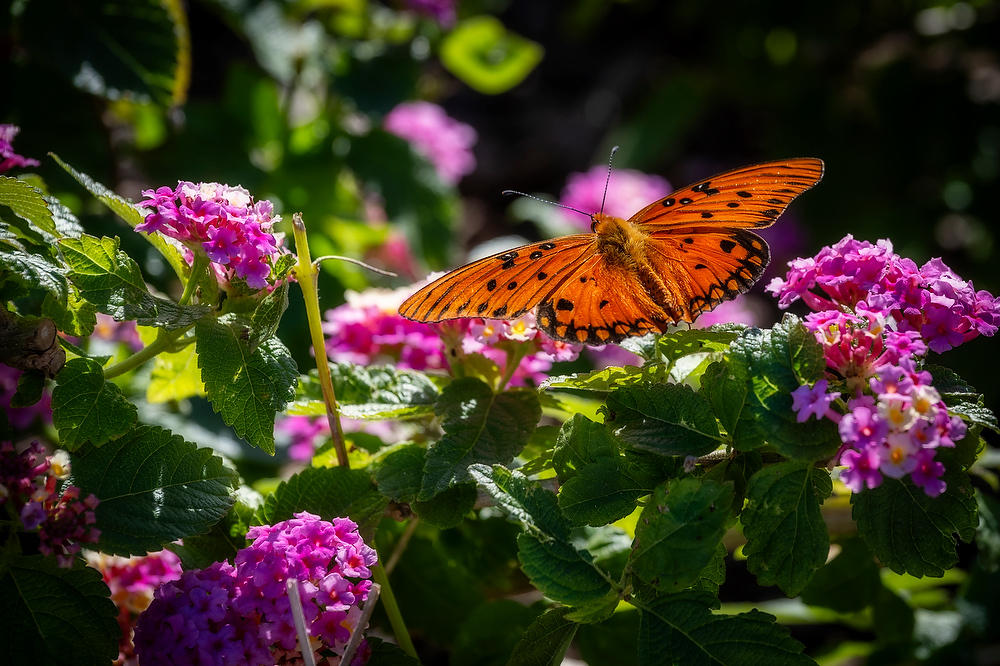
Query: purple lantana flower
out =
(444, 141)
(8, 158)
(813, 401)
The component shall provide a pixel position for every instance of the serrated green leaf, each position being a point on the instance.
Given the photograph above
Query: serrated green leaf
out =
(111, 280)
(600, 493)
(33, 271)
(545, 641)
(581, 442)
(988, 531)
(388, 654)
(247, 388)
(30, 386)
(487, 57)
(912, 533)
(713, 575)
(567, 575)
(479, 426)
(267, 315)
(225, 538)
(52, 615)
(950, 385)
(525, 501)
(681, 629)
(175, 376)
(849, 582)
(726, 390)
(86, 408)
(378, 392)
(153, 487)
(675, 345)
(787, 539)
(328, 492)
(74, 316)
(775, 362)
(449, 508)
(975, 414)
(34, 219)
(610, 378)
(130, 214)
(398, 475)
(667, 419)
(679, 531)
(66, 223)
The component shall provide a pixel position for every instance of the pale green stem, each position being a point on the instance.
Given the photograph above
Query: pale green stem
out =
(163, 342)
(305, 273)
(392, 610)
(198, 269)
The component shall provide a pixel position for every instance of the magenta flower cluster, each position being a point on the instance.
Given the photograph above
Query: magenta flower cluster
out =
(628, 192)
(368, 329)
(876, 315)
(444, 141)
(442, 11)
(8, 158)
(28, 488)
(219, 221)
(242, 614)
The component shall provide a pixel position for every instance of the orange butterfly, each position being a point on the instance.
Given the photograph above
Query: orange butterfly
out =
(674, 259)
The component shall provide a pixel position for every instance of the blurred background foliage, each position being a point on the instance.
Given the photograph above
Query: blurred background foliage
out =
(287, 98)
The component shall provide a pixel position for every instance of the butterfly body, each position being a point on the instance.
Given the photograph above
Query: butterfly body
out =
(674, 259)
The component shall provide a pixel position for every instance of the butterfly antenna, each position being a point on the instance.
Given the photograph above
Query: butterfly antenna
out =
(508, 193)
(608, 180)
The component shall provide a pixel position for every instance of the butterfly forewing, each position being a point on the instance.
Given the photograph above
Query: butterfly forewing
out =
(752, 196)
(502, 286)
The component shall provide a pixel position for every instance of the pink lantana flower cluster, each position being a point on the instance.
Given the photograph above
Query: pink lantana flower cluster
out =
(132, 581)
(445, 142)
(221, 222)
(368, 329)
(628, 192)
(8, 158)
(442, 11)
(876, 315)
(61, 520)
(241, 614)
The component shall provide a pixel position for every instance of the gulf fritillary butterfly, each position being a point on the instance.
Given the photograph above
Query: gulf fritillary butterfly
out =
(674, 259)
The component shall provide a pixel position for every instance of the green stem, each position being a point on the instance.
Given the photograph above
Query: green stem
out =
(163, 342)
(515, 354)
(198, 269)
(305, 273)
(392, 610)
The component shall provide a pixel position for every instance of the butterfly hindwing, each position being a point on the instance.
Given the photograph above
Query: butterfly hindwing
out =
(749, 197)
(502, 286)
(714, 266)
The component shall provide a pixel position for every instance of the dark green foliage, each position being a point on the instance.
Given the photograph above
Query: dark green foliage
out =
(86, 408)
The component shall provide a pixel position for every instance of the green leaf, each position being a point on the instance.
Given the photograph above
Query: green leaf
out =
(679, 531)
(912, 533)
(34, 219)
(787, 539)
(892, 618)
(449, 508)
(545, 641)
(488, 635)
(600, 493)
(86, 408)
(52, 615)
(849, 582)
(776, 362)
(558, 569)
(675, 345)
(726, 390)
(479, 427)
(138, 49)
(33, 271)
(131, 214)
(399, 473)
(377, 392)
(988, 531)
(246, 387)
(581, 442)
(976, 414)
(30, 386)
(669, 419)
(487, 57)
(267, 315)
(610, 378)
(328, 492)
(74, 316)
(153, 488)
(175, 376)
(388, 654)
(681, 629)
(111, 280)
(225, 538)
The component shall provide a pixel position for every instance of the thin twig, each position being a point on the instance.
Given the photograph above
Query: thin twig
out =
(351, 260)
(292, 587)
(359, 629)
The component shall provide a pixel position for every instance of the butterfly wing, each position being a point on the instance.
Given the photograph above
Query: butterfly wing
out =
(502, 286)
(600, 302)
(750, 197)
